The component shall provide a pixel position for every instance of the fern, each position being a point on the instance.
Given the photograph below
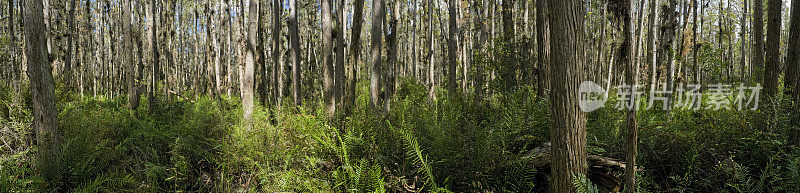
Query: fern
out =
(419, 159)
(108, 182)
(582, 184)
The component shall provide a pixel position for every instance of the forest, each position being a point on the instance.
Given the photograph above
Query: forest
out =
(400, 96)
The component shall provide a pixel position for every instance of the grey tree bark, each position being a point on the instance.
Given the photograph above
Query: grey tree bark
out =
(355, 53)
(68, 55)
(250, 57)
(392, 54)
(295, 52)
(669, 24)
(127, 52)
(652, 54)
(378, 13)
(42, 86)
(327, 49)
(340, 53)
(568, 132)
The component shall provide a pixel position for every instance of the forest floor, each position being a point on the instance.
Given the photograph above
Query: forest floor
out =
(450, 144)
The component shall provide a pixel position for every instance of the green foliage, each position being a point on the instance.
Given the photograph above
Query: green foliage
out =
(582, 184)
(419, 145)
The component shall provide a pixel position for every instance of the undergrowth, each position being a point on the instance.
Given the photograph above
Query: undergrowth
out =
(443, 145)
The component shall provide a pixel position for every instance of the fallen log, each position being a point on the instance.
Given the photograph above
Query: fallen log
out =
(604, 172)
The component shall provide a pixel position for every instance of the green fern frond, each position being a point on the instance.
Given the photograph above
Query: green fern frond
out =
(418, 158)
(582, 184)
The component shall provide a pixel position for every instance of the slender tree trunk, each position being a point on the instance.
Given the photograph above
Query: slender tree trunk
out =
(218, 47)
(772, 68)
(431, 54)
(355, 52)
(667, 43)
(758, 36)
(392, 52)
(155, 70)
(16, 79)
(42, 86)
(509, 75)
(631, 76)
(568, 133)
(340, 53)
(327, 59)
(295, 52)
(209, 46)
(130, 67)
(743, 27)
(652, 54)
(480, 46)
(277, 67)
(250, 57)
(543, 39)
(68, 55)
(452, 46)
(262, 56)
(378, 13)
(694, 41)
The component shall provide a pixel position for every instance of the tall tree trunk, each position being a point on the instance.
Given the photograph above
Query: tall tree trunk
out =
(509, 75)
(68, 55)
(209, 46)
(758, 36)
(743, 28)
(262, 56)
(355, 52)
(600, 47)
(130, 67)
(793, 65)
(378, 14)
(392, 52)
(631, 75)
(793, 56)
(652, 54)
(431, 54)
(42, 86)
(250, 57)
(295, 52)
(340, 53)
(669, 25)
(16, 96)
(154, 54)
(90, 44)
(452, 46)
(568, 132)
(327, 59)
(543, 43)
(218, 47)
(277, 67)
(480, 46)
(694, 41)
(772, 68)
